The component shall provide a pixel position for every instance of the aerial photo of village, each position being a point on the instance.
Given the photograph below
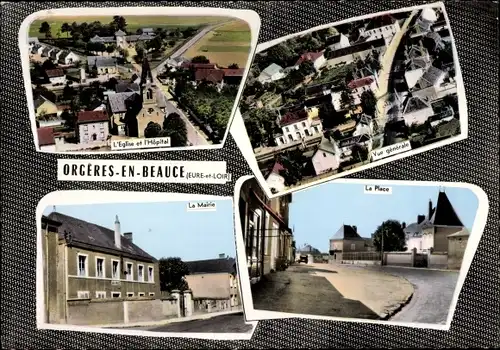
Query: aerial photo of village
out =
(338, 98)
(106, 83)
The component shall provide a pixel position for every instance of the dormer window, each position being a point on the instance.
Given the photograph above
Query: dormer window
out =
(149, 94)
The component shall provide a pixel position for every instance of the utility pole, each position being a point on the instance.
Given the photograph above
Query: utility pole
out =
(382, 249)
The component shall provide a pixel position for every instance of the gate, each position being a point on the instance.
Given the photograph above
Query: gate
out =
(182, 305)
(421, 260)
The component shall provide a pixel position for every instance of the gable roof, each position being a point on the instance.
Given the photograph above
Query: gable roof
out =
(102, 39)
(334, 39)
(326, 146)
(272, 69)
(444, 214)
(353, 140)
(63, 55)
(293, 117)
(462, 233)
(94, 237)
(211, 75)
(355, 48)
(91, 116)
(117, 102)
(234, 72)
(120, 32)
(189, 65)
(413, 104)
(54, 73)
(40, 100)
(430, 77)
(309, 56)
(45, 136)
(347, 232)
(127, 87)
(161, 100)
(221, 265)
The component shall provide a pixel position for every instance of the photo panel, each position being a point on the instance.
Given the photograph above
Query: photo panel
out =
(351, 95)
(135, 78)
(386, 252)
(139, 264)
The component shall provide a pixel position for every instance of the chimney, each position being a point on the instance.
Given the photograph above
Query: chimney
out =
(430, 209)
(355, 228)
(118, 236)
(128, 235)
(420, 219)
(403, 225)
(222, 256)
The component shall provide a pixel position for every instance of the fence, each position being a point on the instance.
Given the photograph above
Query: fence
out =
(361, 256)
(408, 258)
(437, 260)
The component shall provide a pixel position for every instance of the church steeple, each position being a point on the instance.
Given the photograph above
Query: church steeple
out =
(147, 88)
(146, 75)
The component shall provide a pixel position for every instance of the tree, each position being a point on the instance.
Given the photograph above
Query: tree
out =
(172, 273)
(200, 59)
(346, 98)
(394, 236)
(152, 130)
(293, 164)
(48, 65)
(45, 29)
(369, 102)
(65, 28)
(68, 93)
(155, 44)
(233, 66)
(69, 118)
(359, 152)
(120, 22)
(175, 128)
(280, 54)
(110, 48)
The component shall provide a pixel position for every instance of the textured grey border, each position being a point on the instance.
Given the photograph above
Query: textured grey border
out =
(27, 176)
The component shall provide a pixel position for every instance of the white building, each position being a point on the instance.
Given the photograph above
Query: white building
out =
(364, 126)
(297, 126)
(337, 42)
(380, 27)
(416, 111)
(316, 58)
(68, 57)
(361, 85)
(326, 158)
(429, 84)
(92, 126)
(274, 180)
(272, 73)
(56, 76)
(346, 145)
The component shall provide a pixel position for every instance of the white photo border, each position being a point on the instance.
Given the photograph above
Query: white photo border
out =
(240, 135)
(82, 197)
(473, 242)
(251, 17)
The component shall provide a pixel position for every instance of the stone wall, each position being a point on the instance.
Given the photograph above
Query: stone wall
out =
(437, 260)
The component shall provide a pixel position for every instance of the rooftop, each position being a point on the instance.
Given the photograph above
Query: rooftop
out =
(272, 69)
(100, 61)
(355, 48)
(220, 265)
(211, 75)
(92, 116)
(54, 73)
(380, 21)
(309, 56)
(347, 232)
(293, 117)
(45, 136)
(357, 83)
(118, 102)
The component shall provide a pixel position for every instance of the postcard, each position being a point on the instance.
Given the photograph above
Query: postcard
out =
(344, 97)
(135, 79)
(386, 252)
(139, 264)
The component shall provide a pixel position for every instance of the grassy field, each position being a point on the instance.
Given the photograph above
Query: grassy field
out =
(133, 22)
(226, 45)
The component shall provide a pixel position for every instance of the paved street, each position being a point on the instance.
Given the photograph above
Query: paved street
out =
(432, 297)
(232, 323)
(331, 290)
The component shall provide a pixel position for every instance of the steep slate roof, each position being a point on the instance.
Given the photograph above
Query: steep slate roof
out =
(53, 53)
(347, 232)
(414, 103)
(413, 229)
(127, 87)
(45, 136)
(94, 237)
(100, 61)
(272, 69)
(117, 102)
(45, 51)
(359, 47)
(120, 32)
(161, 101)
(102, 39)
(40, 100)
(444, 214)
(35, 48)
(63, 55)
(430, 77)
(91, 116)
(333, 39)
(293, 117)
(319, 88)
(211, 75)
(326, 146)
(221, 265)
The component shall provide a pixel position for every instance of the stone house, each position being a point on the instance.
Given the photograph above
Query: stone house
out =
(346, 240)
(271, 73)
(357, 50)
(337, 42)
(297, 125)
(380, 27)
(103, 65)
(327, 157)
(430, 232)
(457, 243)
(264, 224)
(68, 57)
(316, 58)
(56, 76)
(92, 126)
(95, 275)
(213, 280)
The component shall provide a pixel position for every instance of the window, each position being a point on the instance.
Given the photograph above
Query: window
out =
(149, 94)
(85, 127)
(101, 135)
(142, 294)
(353, 246)
(130, 272)
(140, 273)
(94, 137)
(298, 135)
(324, 154)
(304, 124)
(282, 140)
(307, 132)
(296, 127)
(83, 295)
(101, 126)
(130, 294)
(99, 267)
(82, 266)
(316, 130)
(116, 295)
(151, 294)
(115, 269)
(290, 137)
(150, 274)
(286, 129)
(100, 295)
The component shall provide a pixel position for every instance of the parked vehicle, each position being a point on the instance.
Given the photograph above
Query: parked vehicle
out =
(303, 258)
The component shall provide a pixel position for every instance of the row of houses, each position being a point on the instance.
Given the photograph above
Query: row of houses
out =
(58, 56)
(123, 40)
(97, 275)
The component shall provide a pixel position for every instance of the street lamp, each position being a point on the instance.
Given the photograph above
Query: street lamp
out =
(382, 249)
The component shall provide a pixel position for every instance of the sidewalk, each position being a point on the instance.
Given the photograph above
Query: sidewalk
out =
(333, 290)
(236, 310)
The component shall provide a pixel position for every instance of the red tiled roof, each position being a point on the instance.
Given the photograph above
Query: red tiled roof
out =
(54, 73)
(293, 117)
(45, 136)
(357, 83)
(198, 65)
(277, 168)
(63, 107)
(92, 116)
(228, 72)
(309, 56)
(211, 75)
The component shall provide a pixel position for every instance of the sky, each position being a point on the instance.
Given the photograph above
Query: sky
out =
(318, 212)
(166, 229)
